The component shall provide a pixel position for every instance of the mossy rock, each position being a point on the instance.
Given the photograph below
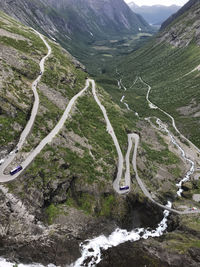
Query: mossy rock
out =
(187, 194)
(187, 186)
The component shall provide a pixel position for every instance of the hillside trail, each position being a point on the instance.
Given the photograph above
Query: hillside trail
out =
(91, 249)
(136, 138)
(30, 123)
(110, 130)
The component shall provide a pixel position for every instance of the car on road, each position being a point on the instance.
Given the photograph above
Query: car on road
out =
(192, 209)
(16, 170)
(124, 187)
(40, 72)
(2, 161)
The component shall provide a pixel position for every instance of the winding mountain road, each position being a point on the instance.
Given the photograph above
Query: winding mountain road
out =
(6, 178)
(110, 130)
(143, 187)
(29, 125)
(47, 139)
(153, 106)
(135, 137)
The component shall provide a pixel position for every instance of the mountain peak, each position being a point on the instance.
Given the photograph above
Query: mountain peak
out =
(182, 27)
(154, 14)
(133, 5)
(77, 17)
(188, 6)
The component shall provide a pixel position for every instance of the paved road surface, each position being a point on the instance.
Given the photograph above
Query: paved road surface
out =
(112, 133)
(59, 126)
(143, 187)
(34, 111)
(153, 106)
(135, 137)
(48, 138)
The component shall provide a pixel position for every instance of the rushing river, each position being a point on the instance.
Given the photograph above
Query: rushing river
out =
(186, 178)
(91, 250)
(5, 263)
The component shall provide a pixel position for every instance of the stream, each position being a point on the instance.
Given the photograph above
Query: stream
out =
(91, 249)
(186, 178)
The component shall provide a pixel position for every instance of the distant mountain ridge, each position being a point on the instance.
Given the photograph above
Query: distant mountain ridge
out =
(187, 7)
(182, 28)
(155, 14)
(98, 15)
(170, 63)
(86, 19)
(77, 24)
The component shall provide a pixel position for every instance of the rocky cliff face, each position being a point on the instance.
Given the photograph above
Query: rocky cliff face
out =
(112, 16)
(66, 194)
(183, 27)
(78, 25)
(35, 14)
(180, 12)
(76, 18)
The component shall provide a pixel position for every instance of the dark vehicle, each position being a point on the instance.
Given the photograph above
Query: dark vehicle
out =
(16, 151)
(40, 72)
(124, 187)
(16, 170)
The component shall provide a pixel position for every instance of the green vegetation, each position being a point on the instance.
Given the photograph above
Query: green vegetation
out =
(163, 157)
(176, 172)
(29, 70)
(62, 74)
(52, 211)
(107, 205)
(83, 201)
(181, 242)
(122, 122)
(8, 134)
(89, 123)
(19, 65)
(20, 45)
(164, 67)
(89, 203)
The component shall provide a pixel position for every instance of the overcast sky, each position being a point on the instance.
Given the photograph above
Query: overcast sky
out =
(158, 2)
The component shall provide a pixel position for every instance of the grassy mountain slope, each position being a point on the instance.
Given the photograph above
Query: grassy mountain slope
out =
(68, 187)
(79, 143)
(169, 64)
(165, 63)
(21, 51)
(190, 4)
(79, 25)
